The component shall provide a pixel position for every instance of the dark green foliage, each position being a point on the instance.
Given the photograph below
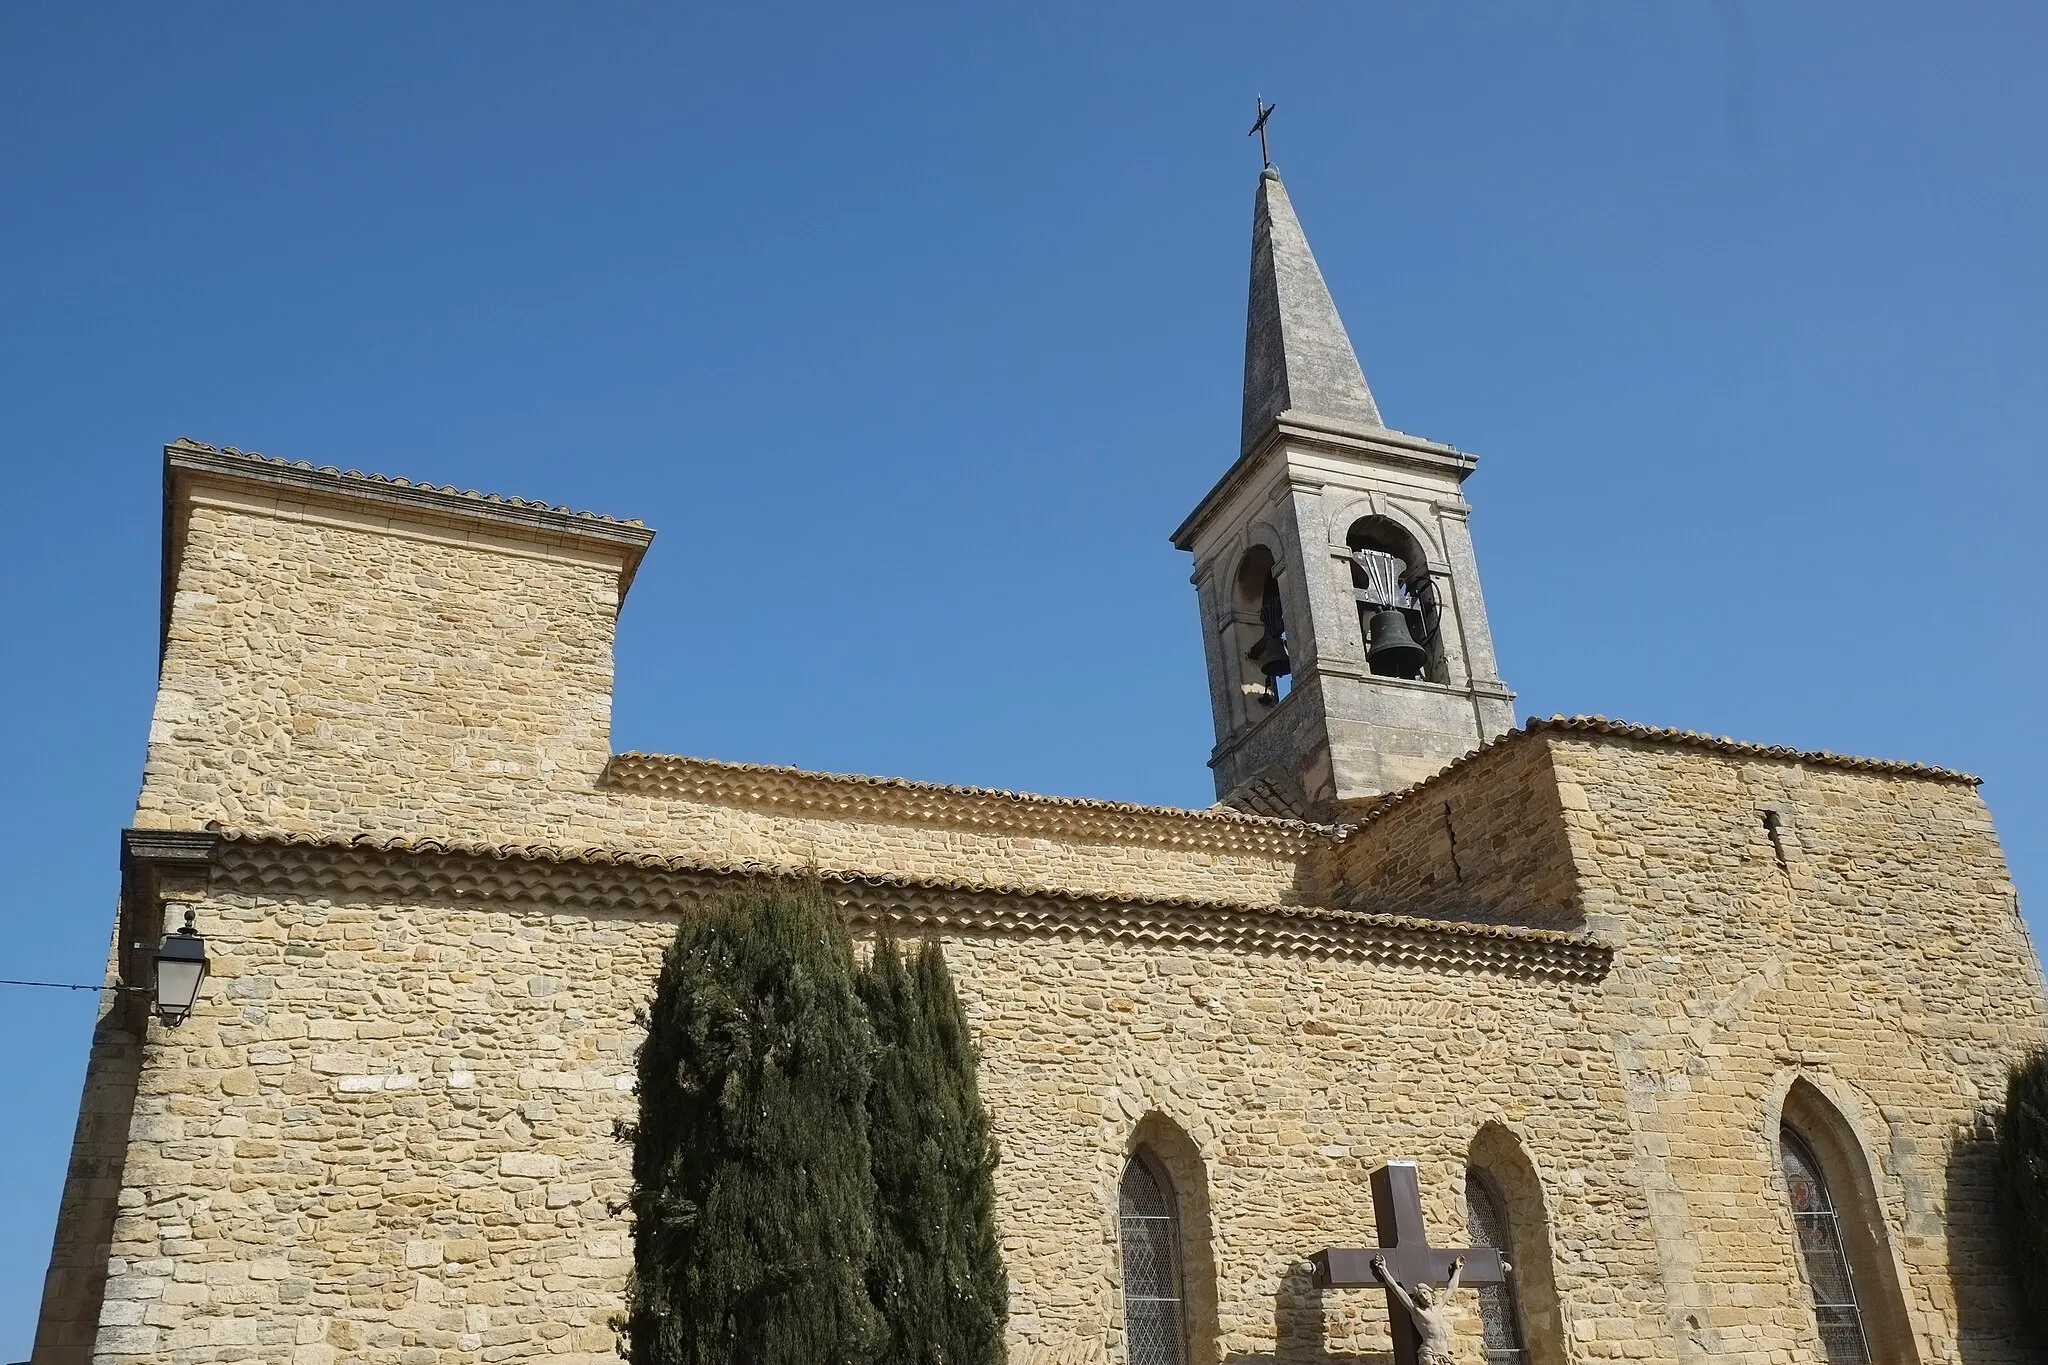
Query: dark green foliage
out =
(979, 1290)
(2023, 1161)
(936, 1274)
(752, 1195)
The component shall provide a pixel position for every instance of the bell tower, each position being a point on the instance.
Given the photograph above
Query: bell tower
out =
(1346, 636)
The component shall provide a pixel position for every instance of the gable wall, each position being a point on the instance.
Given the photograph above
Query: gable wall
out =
(1486, 841)
(1885, 964)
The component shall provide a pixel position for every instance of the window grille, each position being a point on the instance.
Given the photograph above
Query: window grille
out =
(1500, 1323)
(1819, 1235)
(1155, 1321)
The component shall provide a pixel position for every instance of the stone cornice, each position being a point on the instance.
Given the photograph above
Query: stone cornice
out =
(896, 799)
(170, 849)
(438, 499)
(600, 881)
(1340, 438)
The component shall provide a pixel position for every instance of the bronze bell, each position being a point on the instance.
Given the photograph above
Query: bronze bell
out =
(1390, 649)
(1270, 654)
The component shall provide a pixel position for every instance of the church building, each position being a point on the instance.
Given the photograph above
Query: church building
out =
(1691, 1045)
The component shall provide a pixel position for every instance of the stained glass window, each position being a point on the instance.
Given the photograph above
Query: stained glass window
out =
(1820, 1246)
(1155, 1321)
(1486, 1221)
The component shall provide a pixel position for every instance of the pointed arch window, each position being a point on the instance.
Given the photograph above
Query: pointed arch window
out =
(1821, 1250)
(1486, 1222)
(1155, 1308)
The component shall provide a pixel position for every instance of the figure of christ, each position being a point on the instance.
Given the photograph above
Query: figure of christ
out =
(1431, 1314)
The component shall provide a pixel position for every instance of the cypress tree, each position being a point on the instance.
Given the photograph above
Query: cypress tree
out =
(977, 1290)
(753, 1198)
(937, 1274)
(911, 1204)
(2023, 1162)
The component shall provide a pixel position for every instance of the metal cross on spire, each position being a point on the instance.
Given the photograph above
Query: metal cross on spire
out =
(1265, 112)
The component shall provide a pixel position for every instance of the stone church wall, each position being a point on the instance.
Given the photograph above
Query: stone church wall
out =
(325, 675)
(1482, 841)
(386, 1134)
(389, 1136)
(1881, 961)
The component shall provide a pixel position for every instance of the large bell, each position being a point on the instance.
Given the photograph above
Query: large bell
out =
(1390, 649)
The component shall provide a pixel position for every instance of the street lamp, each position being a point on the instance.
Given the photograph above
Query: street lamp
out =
(180, 967)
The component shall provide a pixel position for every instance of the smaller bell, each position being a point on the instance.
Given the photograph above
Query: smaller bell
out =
(1270, 654)
(1390, 649)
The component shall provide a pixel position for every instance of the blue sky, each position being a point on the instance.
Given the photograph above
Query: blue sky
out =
(915, 330)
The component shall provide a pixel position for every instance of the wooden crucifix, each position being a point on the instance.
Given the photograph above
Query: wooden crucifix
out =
(1408, 1260)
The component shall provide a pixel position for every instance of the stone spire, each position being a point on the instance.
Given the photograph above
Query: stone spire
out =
(1296, 353)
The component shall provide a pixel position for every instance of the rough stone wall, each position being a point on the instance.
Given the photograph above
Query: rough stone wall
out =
(1484, 841)
(320, 674)
(387, 1134)
(322, 677)
(94, 1179)
(1882, 961)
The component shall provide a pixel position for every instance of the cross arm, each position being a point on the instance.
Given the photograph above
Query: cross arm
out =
(1351, 1267)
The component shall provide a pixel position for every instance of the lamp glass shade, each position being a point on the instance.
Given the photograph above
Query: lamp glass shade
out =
(180, 967)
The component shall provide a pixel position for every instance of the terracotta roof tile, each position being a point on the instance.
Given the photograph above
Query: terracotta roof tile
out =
(902, 798)
(1366, 812)
(924, 903)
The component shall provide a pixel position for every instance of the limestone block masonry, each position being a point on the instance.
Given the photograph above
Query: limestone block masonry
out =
(1580, 957)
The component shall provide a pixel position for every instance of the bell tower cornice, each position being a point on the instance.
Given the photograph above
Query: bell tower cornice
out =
(1306, 434)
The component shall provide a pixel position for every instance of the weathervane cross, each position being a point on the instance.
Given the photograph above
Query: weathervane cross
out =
(1265, 112)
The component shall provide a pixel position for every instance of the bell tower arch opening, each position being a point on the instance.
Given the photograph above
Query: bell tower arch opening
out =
(1261, 631)
(1400, 616)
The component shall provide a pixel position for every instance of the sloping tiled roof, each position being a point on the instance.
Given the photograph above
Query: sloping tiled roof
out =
(391, 481)
(897, 798)
(589, 878)
(1365, 812)
(1739, 748)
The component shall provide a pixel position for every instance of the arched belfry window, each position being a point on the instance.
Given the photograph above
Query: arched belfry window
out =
(1821, 1250)
(1155, 1308)
(1486, 1222)
(1261, 642)
(1399, 615)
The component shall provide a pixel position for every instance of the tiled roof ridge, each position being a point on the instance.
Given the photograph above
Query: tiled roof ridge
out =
(1663, 734)
(397, 481)
(1746, 748)
(636, 768)
(597, 856)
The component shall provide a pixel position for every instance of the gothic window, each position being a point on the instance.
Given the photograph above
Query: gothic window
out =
(1155, 1312)
(1500, 1323)
(1821, 1250)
